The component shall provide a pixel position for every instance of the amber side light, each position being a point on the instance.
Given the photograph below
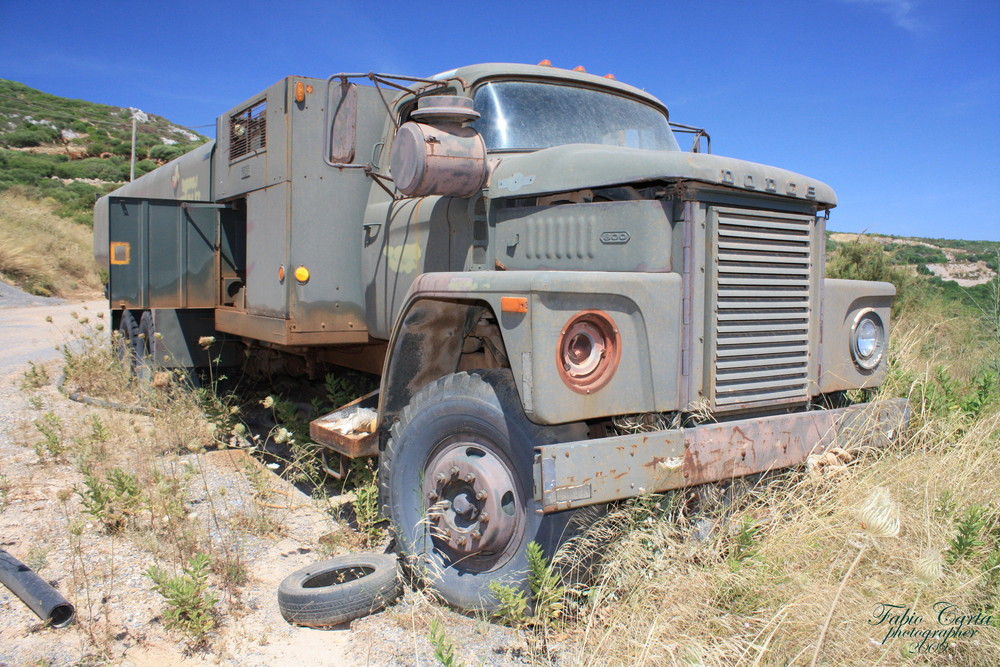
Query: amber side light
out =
(579, 68)
(514, 304)
(610, 76)
(300, 91)
(545, 63)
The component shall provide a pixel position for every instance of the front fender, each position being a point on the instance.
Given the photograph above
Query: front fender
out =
(441, 308)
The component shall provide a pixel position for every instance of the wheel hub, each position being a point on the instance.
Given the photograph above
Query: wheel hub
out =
(472, 498)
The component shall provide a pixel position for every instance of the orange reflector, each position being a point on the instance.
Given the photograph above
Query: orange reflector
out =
(514, 304)
(309, 89)
(545, 63)
(302, 274)
(300, 91)
(610, 76)
(579, 68)
(281, 273)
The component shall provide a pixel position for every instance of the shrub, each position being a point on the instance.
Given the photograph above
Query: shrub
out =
(144, 167)
(91, 167)
(165, 153)
(190, 605)
(24, 137)
(866, 260)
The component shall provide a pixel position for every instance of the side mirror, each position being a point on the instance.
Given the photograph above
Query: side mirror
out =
(436, 153)
(343, 133)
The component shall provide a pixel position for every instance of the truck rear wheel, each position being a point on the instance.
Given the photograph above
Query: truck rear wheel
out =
(136, 339)
(456, 484)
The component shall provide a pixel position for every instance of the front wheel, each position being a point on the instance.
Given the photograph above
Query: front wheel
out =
(456, 482)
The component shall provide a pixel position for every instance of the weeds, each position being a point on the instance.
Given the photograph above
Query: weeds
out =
(366, 507)
(444, 649)
(548, 594)
(115, 501)
(744, 542)
(190, 605)
(968, 536)
(51, 428)
(35, 377)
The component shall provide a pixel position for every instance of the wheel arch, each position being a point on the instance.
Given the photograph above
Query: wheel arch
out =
(426, 344)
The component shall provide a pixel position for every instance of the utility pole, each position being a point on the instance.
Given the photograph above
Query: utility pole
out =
(131, 171)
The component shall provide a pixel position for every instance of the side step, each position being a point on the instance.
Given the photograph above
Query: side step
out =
(328, 430)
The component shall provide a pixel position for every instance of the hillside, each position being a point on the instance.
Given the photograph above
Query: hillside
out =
(73, 150)
(57, 155)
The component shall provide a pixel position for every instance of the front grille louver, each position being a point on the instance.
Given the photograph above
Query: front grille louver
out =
(763, 296)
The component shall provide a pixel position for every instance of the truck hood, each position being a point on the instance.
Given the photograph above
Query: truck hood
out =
(578, 166)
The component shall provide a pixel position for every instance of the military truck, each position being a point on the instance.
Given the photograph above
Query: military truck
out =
(563, 306)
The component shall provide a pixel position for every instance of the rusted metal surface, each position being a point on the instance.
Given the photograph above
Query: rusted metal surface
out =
(441, 159)
(472, 496)
(427, 345)
(576, 474)
(588, 352)
(352, 445)
(284, 331)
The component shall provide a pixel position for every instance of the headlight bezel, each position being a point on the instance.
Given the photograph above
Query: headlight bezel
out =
(864, 318)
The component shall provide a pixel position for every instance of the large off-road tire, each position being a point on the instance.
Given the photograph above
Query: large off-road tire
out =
(456, 483)
(144, 366)
(339, 590)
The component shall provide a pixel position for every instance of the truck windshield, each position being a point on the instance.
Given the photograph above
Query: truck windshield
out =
(519, 115)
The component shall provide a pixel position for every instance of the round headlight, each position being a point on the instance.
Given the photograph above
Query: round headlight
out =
(868, 340)
(588, 351)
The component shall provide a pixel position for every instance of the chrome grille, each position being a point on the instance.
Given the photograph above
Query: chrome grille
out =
(762, 289)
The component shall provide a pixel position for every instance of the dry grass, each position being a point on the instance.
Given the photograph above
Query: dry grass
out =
(43, 253)
(661, 597)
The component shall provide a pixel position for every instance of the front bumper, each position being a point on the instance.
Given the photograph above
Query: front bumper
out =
(588, 472)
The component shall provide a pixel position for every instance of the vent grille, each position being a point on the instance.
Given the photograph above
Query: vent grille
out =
(248, 130)
(763, 298)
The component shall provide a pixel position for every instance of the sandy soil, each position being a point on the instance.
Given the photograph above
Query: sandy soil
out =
(119, 616)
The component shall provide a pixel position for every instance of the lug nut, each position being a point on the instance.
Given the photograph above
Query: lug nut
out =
(481, 494)
(484, 517)
(460, 541)
(440, 478)
(476, 534)
(454, 471)
(471, 478)
(432, 495)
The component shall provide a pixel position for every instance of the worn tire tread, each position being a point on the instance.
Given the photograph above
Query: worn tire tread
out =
(339, 603)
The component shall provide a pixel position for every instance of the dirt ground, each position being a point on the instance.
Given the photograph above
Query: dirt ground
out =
(119, 617)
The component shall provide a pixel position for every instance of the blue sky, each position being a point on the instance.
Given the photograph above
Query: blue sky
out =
(892, 102)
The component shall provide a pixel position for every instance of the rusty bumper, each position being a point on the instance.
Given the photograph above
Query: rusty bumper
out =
(576, 474)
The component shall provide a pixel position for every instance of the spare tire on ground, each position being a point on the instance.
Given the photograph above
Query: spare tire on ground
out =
(338, 590)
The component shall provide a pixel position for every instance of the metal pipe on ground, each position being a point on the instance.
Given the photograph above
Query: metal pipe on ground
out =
(35, 592)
